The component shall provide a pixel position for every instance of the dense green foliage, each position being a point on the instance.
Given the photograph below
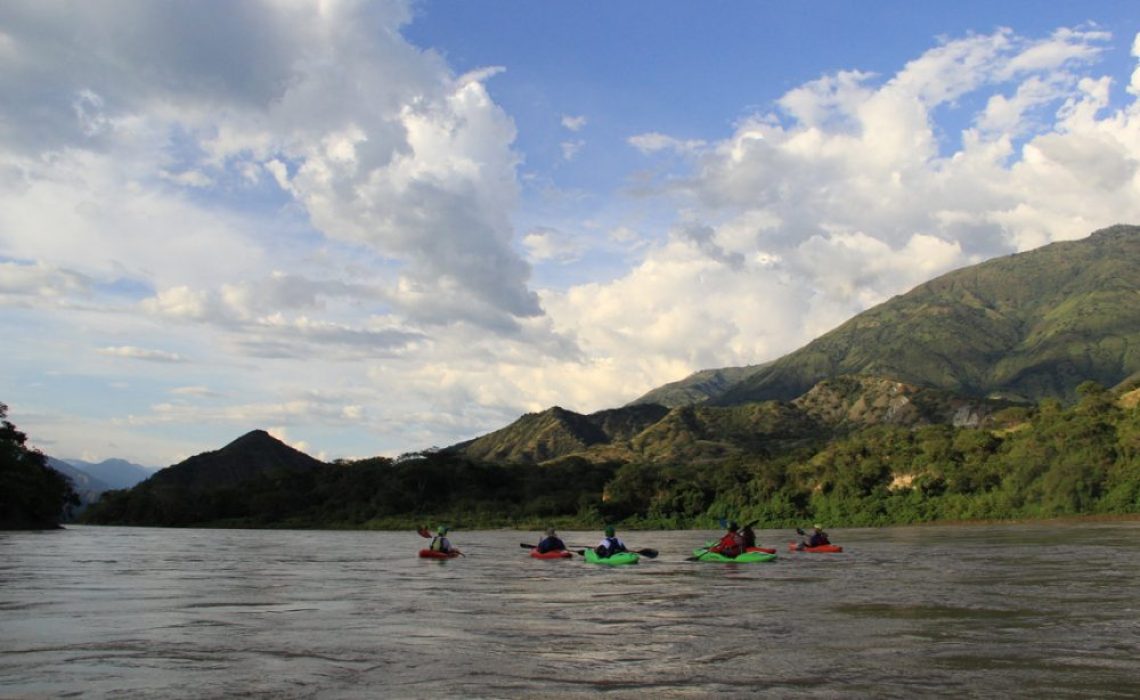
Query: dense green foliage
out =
(1041, 462)
(32, 495)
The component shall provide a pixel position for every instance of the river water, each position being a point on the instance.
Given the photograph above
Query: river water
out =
(1036, 610)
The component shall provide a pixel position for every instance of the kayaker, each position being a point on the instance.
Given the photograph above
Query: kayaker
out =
(550, 543)
(731, 544)
(749, 536)
(440, 543)
(610, 545)
(818, 537)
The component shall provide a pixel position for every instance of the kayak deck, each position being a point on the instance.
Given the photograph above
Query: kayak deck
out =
(753, 556)
(555, 554)
(619, 559)
(821, 549)
(433, 554)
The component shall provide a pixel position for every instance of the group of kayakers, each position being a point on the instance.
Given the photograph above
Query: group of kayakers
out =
(735, 541)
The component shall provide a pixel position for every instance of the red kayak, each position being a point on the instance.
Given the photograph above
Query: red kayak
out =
(433, 554)
(823, 548)
(554, 554)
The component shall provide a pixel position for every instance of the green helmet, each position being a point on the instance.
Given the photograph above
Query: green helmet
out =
(443, 530)
(609, 530)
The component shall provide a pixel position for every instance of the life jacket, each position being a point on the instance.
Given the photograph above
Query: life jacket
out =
(731, 545)
(438, 544)
(818, 539)
(550, 544)
(611, 546)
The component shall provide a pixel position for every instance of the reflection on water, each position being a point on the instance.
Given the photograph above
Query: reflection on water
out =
(1049, 610)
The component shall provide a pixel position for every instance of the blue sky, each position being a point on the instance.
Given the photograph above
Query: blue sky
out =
(378, 227)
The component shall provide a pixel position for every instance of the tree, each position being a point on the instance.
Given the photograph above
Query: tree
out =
(32, 494)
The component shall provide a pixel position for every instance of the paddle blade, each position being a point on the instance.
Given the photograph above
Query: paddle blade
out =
(424, 532)
(524, 545)
(648, 553)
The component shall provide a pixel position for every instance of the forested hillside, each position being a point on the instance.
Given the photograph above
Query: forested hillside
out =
(1040, 461)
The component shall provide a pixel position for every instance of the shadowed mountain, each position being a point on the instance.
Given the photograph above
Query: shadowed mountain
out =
(251, 455)
(87, 487)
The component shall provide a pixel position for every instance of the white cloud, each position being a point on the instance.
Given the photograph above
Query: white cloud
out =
(40, 281)
(133, 353)
(573, 123)
(654, 142)
(550, 244)
(414, 162)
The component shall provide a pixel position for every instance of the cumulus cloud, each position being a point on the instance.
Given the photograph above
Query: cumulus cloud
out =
(414, 162)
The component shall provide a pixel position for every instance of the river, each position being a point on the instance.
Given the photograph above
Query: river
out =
(1027, 610)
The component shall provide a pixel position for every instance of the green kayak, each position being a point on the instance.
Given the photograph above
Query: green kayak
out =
(619, 559)
(703, 554)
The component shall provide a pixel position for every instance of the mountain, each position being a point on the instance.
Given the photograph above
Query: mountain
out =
(704, 433)
(115, 473)
(251, 455)
(556, 432)
(1023, 327)
(87, 487)
(955, 350)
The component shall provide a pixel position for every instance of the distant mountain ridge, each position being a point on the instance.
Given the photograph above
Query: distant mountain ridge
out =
(703, 432)
(1024, 327)
(87, 487)
(115, 473)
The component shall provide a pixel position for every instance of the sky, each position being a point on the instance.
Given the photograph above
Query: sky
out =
(372, 228)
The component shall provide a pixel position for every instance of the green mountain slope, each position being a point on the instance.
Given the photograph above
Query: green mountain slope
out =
(706, 433)
(1026, 326)
(697, 387)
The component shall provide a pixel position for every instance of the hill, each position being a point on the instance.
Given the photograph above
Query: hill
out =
(251, 455)
(1023, 327)
(656, 434)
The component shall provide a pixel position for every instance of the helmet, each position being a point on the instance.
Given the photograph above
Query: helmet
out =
(443, 529)
(732, 526)
(817, 526)
(550, 532)
(609, 530)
